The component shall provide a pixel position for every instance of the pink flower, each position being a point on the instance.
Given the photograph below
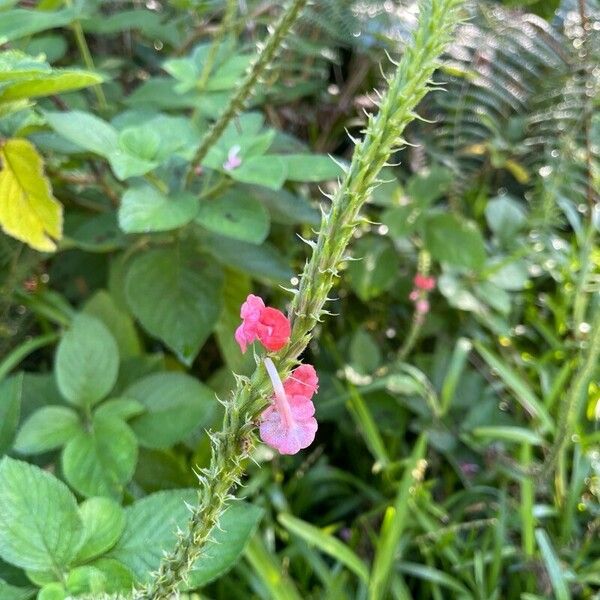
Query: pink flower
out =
(259, 322)
(233, 160)
(423, 282)
(422, 306)
(289, 425)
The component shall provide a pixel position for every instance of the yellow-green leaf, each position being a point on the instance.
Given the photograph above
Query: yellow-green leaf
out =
(28, 210)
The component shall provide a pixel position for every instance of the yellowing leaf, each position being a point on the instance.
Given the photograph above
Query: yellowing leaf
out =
(28, 210)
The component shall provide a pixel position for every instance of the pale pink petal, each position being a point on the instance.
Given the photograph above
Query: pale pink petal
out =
(252, 308)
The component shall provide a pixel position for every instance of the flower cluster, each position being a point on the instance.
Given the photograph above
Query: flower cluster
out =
(288, 425)
(423, 285)
(259, 322)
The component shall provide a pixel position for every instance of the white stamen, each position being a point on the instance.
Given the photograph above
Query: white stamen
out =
(281, 401)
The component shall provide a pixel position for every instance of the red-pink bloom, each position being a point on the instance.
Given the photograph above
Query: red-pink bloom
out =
(289, 425)
(259, 322)
(423, 282)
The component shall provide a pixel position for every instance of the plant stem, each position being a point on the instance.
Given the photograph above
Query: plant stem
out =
(224, 27)
(231, 445)
(24, 350)
(246, 88)
(87, 59)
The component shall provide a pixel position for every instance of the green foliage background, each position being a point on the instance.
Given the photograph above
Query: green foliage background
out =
(467, 436)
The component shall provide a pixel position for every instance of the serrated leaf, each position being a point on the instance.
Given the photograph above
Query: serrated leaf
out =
(176, 404)
(144, 209)
(175, 293)
(100, 461)
(240, 217)
(46, 429)
(103, 523)
(236, 526)
(11, 391)
(85, 130)
(87, 361)
(40, 527)
(28, 210)
(150, 530)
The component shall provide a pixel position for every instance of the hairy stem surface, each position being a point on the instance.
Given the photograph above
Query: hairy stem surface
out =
(407, 86)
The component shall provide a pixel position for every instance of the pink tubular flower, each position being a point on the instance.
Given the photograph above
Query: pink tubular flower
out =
(423, 282)
(259, 322)
(289, 425)
(233, 160)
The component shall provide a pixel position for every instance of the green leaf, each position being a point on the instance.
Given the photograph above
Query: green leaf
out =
(176, 404)
(150, 530)
(20, 23)
(52, 591)
(394, 522)
(175, 293)
(120, 408)
(264, 262)
(103, 523)
(99, 462)
(269, 171)
(310, 167)
(505, 217)
(141, 142)
(144, 209)
(239, 217)
(46, 429)
(236, 526)
(455, 241)
(365, 355)
(118, 577)
(376, 268)
(520, 388)
(28, 210)
(102, 306)
(40, 528)
(85, 579)
(428, 186)
(87, 361)
(509, 434)
(314, 536)
(11, 592)
(55, 82)
(126, 165)
(85, 130)
(10, 409)
(553, 566)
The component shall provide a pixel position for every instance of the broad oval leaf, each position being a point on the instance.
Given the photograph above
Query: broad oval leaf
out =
(240, 217)
(175, 293)
(455, 241)
(46, 429)
(236, 526)
(175, 404)
(144, 209)
(103, 523)
(99, 462)
(39, 523)
(87, 361)
(151, 529)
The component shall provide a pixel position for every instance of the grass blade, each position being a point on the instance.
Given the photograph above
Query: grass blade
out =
(555, 571)
(393, 525)
(326, 543)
